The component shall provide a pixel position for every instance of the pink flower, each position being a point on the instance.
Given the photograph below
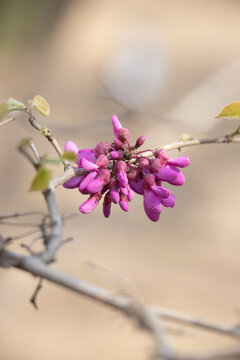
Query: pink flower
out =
(117, 171)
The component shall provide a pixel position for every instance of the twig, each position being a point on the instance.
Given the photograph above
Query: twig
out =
(49, 136)
(34, 150)
(33, 298)
(4, 122)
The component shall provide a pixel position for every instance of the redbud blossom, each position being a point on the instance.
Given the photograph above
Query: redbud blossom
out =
(117, 171)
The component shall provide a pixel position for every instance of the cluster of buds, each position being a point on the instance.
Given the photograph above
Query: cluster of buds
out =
(116, 170)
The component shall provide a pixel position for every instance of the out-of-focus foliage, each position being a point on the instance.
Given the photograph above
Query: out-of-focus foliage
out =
(231, 111)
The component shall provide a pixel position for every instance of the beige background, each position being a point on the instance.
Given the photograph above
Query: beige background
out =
(164, 67)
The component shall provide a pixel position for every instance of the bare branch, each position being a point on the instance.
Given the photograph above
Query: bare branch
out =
(4, 122)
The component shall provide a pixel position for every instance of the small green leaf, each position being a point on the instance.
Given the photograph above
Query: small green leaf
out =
(41, 105)
(24, 143)
(15, 104)
(231, 111)
(69, 155)
(4, 109)
(41, 180)
(186, 137)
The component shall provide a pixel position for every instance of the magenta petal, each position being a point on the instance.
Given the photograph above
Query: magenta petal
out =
(88, 206)
(130, 194)
(124, 203)
(88, 165)
(116, 125)
(114, 195)
(160, 191)
(113, 190)
(71, 146)
(180, 180)
(95, 186)
(87, 179)
(152, 205)
(87, 154)
(181, 161)
(73, 183)
(122, 179)
(169, 202)
(107, 205)
(167, 173)
(124, 190)
(136, 186)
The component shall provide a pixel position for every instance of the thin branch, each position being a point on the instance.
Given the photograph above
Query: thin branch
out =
(35, 266)
(49, 136)
(4, 122)
(34, 150)
(33, 299)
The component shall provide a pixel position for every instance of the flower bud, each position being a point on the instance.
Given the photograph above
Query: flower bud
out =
(140, 141)
(124, 135)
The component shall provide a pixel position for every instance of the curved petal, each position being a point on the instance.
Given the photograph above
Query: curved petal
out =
(180, 180)
(181, 161)
(71, 146)
(88, 206)
(169, 202)
(130, 194)
(167, 173)
(87, 154)
(73, 183)
(136, 186)
(88, 165)
(87, 179)
(124, 203)
(152, 205)
(160, 191)
(122, 179)
(107, 205)
(116, 125)
(95, 186)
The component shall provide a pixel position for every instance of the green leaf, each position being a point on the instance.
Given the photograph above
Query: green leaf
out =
(4, 109)
(41, 105)
(24, 143)
(186, 137)
(41, 180)
(69, 155)
(231, 111)
(15, 104)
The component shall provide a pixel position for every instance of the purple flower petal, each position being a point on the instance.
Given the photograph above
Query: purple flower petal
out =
(181, 161)
(73, 183)
(122, 179)
(71, 146)
(113, 190)
(124, 203)
(161, 191)
(107, 205)
(95, 186)
(167, 173)
(124, 190)
(116, 125)
(180, 180)
(130, 194)
(89, 205)
(86, 154)
(169, 202)
(152, 205)
(88, 165)
(87, 179)
(136, 186)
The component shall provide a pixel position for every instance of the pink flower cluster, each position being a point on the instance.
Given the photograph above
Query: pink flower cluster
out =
(116, 170)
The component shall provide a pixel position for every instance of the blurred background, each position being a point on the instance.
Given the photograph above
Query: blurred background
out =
(164, 68)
